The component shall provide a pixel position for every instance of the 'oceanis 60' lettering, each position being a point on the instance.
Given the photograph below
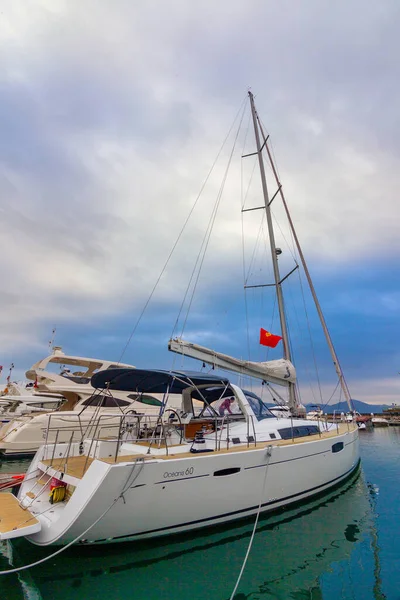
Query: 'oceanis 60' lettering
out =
(188, 471)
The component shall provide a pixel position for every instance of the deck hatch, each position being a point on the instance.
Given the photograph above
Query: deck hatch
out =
(300, 431)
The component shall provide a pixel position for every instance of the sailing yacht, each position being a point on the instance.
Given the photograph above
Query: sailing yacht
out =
(194, 465)
(177, 472)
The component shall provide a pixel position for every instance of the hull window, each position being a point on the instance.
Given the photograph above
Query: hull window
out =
(337, 447)
(224, 472)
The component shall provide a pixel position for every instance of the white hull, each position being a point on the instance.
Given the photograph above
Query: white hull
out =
(17, 406)
(177, 494)
(277, 536)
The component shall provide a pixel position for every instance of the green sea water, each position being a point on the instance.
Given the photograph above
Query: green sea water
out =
(343, 545)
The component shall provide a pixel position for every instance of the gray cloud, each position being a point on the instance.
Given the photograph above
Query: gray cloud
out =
(110, 119)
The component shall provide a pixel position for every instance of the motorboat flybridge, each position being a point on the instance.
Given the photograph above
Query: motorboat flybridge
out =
(188, 468)
(65, 392)
(72, 384)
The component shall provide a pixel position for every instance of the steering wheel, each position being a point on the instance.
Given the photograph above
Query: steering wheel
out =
(174, 412)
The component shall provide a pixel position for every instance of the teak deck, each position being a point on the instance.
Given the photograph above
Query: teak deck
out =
(76, 466)
(12, 516)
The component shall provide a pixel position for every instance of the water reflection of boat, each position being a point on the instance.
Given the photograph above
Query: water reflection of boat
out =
(289, 554)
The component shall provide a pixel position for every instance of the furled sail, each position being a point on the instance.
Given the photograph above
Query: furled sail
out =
(280, 372)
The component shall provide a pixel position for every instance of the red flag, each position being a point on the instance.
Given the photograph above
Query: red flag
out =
(269, 339)
(35, 385)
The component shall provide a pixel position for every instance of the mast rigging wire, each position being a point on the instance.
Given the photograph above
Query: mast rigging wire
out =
(242, 202)
(179, 235)
(206, 239)
(335, 358)
(310, 336)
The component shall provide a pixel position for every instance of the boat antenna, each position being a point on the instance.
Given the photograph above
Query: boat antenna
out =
(9, 374)
(274, 250)
(53, 336)
(331, 347)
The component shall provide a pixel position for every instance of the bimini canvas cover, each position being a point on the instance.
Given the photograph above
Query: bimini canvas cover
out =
(152, 380)
(280, 372)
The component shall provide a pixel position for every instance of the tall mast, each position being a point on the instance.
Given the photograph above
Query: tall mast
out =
(285, 337)
(331, 347)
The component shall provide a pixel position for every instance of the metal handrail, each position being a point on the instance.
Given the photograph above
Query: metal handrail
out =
(68, 451)
(254, 430)
(137, 428)
(77, 416)
(221, 431)
(54, 447)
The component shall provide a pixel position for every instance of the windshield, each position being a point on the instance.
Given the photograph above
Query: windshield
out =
(258, 407)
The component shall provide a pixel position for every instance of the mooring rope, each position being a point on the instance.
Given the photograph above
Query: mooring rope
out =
(269, 452)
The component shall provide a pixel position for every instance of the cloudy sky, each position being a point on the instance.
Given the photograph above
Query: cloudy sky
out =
(111, 116)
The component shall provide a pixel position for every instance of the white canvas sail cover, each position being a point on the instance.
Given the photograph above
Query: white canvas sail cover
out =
(280, 372)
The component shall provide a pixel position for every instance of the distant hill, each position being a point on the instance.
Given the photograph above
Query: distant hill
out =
(361, 407)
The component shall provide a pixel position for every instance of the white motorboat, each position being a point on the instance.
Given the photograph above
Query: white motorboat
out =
(24, 434)
(379, 422)
(20, 399)
(191, 466)
(281, 411)
(72, 384)
(65, 392)
(317, 413)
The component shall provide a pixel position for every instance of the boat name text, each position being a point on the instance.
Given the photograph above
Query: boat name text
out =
(188, 471)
